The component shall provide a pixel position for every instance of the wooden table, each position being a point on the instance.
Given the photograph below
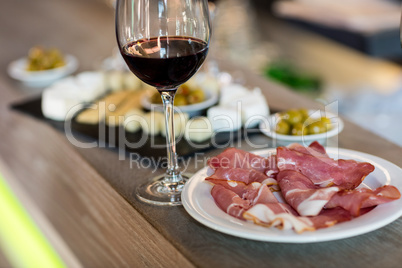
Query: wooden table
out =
(82, 198)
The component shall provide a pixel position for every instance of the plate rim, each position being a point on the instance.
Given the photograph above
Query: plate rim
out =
(311, 237)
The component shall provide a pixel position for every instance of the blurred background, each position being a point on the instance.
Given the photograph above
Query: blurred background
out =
(345, 51)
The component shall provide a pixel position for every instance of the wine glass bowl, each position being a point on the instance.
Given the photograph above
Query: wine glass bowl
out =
(165, 62)
(164, 43)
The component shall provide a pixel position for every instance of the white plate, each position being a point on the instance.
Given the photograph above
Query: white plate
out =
(192, 110)
(267, 127)
(17, 70)
(198, 202)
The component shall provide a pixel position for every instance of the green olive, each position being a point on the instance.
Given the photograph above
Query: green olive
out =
(327, 122)
(316, 128)
(310, 121)
(299, 122)
(282, 127)
(36, 53)
(40, 59)
(294, 117)
(54, 54)
(304, 113)
(180, 100)
(184, 89)
(282, 114)
(299, 130)
(196, 96)
(58, 63)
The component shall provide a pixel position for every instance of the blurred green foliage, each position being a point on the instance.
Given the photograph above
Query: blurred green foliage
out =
(294, 78)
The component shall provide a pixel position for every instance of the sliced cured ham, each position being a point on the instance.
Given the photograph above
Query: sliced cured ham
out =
(301, 193)
(229, 201)
(330, 217)
(318, 191)
(273, 169)
(239, 174)
(255, 192)
(315, 148)
(236, 158)
(278, 215)
(238, 187)
(281, 216)
(381, 195)
(261, 194)
(324, 171)
(355, 200)
(238, 165)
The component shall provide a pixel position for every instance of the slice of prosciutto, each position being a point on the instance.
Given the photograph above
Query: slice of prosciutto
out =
(255, 192)
(229, 201)
(330, 217)
(324, 171)
(259, 194)
(237, 158)
(278, 215)
(238, 165)
(315, 148)
(354, 201)
(282, 216)
(239, 174)
(301, 193)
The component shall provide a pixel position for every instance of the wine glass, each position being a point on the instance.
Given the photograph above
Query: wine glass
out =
(164, 43)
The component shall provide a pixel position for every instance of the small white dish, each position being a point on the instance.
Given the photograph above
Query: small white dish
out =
(267, 127)
(17, 70)
(199, 203)
(211, 98)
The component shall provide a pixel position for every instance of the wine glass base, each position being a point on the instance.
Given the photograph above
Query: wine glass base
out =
(161, 192)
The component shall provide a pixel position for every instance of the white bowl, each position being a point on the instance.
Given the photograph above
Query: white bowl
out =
(17, 70)
(211, 98)
(267, 127)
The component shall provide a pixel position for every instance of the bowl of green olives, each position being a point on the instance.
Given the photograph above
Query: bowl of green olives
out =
(42, 67)
(188, 99)
(301, 126)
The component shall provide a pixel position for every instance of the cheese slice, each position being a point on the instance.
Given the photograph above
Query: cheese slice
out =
(224, 118)
(198, 129)
(63, 99)
(133, 120)
(102, 108)
(131, 101)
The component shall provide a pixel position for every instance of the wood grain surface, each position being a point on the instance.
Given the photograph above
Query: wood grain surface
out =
(86, 195)
(4, 263)
(96, 223)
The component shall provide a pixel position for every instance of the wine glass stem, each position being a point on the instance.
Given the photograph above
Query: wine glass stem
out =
(173, 172)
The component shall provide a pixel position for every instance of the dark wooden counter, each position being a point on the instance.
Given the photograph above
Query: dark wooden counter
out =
(82, 198)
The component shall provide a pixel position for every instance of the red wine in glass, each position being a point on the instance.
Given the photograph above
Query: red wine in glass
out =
(165, 62)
